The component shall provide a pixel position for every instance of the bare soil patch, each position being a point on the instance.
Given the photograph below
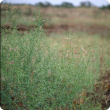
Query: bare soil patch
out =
(103, 31)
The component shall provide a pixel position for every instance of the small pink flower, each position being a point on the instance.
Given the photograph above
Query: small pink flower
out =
(60, 55)
(15, 49)
(12, 10)
(67, 51)
(8, 63)
(92, 51)
(33, 19)
(84, 50)
(75, 52)
(12, 62)
(40, 27)
(37, 16)
(43, 20)
(70, 42)
(93, 59)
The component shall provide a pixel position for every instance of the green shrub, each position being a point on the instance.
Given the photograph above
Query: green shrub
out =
(36, 76)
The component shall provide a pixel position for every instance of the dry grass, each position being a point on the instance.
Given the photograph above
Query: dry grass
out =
(68, 16)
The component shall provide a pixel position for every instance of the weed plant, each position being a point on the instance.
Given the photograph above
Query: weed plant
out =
(35, 75)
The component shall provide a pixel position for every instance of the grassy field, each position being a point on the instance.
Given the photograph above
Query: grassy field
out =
(55, 16)
(55, 71)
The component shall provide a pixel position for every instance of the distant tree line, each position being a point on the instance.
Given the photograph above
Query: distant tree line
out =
(63, 4)
(66, 5)
(105, 7)
(86, 4)
(47, 4)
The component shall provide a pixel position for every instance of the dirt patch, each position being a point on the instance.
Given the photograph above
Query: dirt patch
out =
(102, 88)
(59, 29)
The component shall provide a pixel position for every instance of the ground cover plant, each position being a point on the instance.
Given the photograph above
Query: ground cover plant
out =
(50, 72)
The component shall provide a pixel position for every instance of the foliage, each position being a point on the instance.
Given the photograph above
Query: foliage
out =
(35, 75)
(105, 7)
(86, 4)
(66, 5)
(46, 4)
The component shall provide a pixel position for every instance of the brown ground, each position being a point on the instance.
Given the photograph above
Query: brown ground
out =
(59, 29)
(102, 89)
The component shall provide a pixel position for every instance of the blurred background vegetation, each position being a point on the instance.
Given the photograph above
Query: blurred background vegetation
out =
(87, 17)
(66, 4)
